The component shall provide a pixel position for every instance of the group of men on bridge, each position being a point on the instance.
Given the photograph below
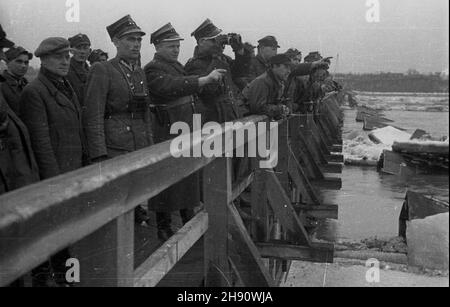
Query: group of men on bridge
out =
(74, 114)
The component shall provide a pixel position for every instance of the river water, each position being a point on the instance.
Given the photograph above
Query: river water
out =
(370, 202)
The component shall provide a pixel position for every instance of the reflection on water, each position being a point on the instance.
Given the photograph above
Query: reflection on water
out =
(370, 202)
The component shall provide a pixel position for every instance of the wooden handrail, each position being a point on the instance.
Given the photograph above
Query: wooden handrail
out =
(92, 211)
(41, 219)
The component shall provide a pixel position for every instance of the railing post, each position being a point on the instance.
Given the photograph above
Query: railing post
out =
(106, 257)
(217, 195)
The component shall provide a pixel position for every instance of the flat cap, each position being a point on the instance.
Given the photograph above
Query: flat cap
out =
(280, 59)
(206, 30)
(268, 41)
(15, 52)
(4, 42)
(124, 26)
(313, 57)
(79, 39)
(96, 54)
(166, 33)
(52, 45)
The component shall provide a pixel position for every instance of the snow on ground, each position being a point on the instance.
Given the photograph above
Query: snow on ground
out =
(359, 149)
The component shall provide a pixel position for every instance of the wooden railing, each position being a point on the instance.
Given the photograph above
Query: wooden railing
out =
(92, 211)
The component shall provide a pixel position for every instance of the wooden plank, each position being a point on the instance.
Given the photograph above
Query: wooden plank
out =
(240, 187)
(301, 151)
(284, 211)
(336, 148)
(335, 158)
(332, 168)
(217, 195)
(319, 212)
(317, 252)
(260, 212)
(153, 270)
(107, 256)
(301, 181)
(245, 255)
(328, 183)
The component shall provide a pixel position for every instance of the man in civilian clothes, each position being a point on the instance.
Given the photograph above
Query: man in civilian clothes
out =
(79, 68)
(50, 110)
(17, 60)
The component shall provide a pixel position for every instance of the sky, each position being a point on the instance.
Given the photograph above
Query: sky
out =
(410, 34)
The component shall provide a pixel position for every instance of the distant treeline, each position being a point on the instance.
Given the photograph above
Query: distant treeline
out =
(392, 82)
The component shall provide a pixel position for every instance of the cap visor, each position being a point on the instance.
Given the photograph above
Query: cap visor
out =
(217, 33)
(131, 32)
(6, 43)
(173, 39)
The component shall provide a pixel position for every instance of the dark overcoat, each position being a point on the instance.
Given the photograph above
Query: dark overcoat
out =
(264, 94)
(54, 123)
(18, 166)
(172, 92)
(116, 115)
(220, 99)
(77, 77)
(12, 89)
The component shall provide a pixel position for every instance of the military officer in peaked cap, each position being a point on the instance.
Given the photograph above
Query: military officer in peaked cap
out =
(173, 94)
(116, 114)
(220, 98)
(17, 61)
(79, 68)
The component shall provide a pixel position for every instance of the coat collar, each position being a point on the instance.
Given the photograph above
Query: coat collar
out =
(260, 59)
(175, 64)
(80, 69)
(59, 97)
(12, 80)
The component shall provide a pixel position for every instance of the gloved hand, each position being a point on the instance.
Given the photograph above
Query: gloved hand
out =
(236, 42)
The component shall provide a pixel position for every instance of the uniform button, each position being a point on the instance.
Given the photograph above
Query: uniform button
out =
(128, 128)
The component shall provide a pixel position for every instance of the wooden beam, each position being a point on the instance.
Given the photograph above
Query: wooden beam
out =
(107, 256)
(332, 168)
(244, 254)
(301, 150)
(318, 212)
(301, 181)
(217, 195)
(153, 270)
(328, 183)
(284, 211)
(240, 187)
(336, 148)
(317, 252)
(335, 158)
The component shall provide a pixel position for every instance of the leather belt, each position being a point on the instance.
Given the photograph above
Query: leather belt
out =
(175, 103)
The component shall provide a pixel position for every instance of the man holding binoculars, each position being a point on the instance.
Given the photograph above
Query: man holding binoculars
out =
(220, 98)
